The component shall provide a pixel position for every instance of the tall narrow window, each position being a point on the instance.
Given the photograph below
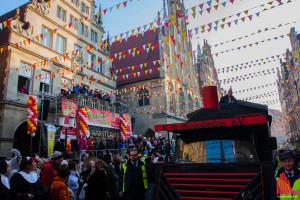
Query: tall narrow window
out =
(60, 44)
(82, 7)
(91, 60)
(58, 12)
(86, 31)
(82, 28)
(75, 23)
(172, 106)
(45, 84)
(46, 40)
(94, 36)
(144, 97)
(100, 65)
(25, 78)
(181, 101)
(64, 15)
(190, 101)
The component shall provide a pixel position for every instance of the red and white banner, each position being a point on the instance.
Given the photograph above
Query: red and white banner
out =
(103, 118)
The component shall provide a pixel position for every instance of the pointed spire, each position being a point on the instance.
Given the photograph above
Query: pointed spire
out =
(108, 43)
(100, 16)
(165, 16)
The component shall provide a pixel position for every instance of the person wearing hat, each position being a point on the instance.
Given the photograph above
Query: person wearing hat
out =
(287, 178)
(5, 170)
(51, 168)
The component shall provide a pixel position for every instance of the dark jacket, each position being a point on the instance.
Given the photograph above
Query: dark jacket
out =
(4, 192)
(112, 178)
(97, 188)
(133, 178)
(20, 187)
(224, 101)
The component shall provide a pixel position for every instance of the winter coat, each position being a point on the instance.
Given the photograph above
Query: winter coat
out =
(59, 189)
(48, 174)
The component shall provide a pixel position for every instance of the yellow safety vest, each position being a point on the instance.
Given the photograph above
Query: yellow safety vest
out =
(145, 179)
(296, 188)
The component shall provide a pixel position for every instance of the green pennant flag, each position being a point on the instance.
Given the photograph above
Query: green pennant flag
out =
(216, 6)
(243, 19)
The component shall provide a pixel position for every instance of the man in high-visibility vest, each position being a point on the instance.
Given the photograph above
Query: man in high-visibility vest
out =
(287, 178)
(133, 179)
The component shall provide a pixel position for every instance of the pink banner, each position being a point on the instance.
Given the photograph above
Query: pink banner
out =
(103, 118)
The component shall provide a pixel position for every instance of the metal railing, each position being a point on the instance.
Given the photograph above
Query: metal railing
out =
(91, 102)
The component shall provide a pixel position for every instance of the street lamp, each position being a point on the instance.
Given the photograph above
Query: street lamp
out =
(71, 125)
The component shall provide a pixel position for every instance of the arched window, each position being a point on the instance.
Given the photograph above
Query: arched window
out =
(196, 103)
(172, 105)
(181, 101)
(144, 97)
(190, 101)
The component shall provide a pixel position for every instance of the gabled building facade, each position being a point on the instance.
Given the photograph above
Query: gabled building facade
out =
(289, 89)
(155, 72)
(47, 47)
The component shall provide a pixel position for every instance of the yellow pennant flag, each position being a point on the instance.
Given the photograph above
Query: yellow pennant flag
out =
(154, 28)
(134, 74)
(216, 7)
(152, 48)
(158, 61)
(222, 26)
(243, 19)
(132, 68)
(151, 24)
(37, 38)
(246, 12)
(194, 15)
(137, 35)
(194, 9)
(4, 24)
(24, 42)
(118, 6)
(223, 20)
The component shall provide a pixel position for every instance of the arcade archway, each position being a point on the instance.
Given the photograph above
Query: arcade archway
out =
(26, 144)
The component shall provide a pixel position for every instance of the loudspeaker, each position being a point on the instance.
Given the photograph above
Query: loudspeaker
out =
(74, 145)
(44, 109)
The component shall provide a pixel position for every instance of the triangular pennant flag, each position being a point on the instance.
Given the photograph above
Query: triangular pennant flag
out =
(257, 14)
(124, 4)
(118, 6)
(216, 6)
(208, 9)
(236, 21)
(250, 17)
(224, 4)
(194, 15)
(243, 19)
(201, 6)
(246, 12)
(209, 3)
(193, 9)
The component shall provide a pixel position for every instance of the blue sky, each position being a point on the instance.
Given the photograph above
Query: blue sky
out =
(140, 12)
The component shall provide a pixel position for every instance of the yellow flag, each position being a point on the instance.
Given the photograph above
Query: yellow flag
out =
(118, 6)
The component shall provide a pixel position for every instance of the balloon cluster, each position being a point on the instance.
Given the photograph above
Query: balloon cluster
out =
(83, 121)
(123, 126)
(32, 115)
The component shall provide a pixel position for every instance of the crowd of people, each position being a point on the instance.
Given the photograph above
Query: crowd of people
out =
(83, 89)
(123, 170)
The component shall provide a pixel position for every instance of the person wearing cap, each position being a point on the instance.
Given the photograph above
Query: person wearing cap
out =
(287, 178)
(5, 170)
(51, 168)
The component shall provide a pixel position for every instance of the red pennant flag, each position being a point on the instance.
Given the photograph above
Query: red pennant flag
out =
(104, 11)
(124, 4)
(167, 24)
(231, 1)
(70, 24)
(9, 23)
(208, 10)
(179, 14)
(28, 40)
(158, 22)
(201, 6)
(42, 36)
